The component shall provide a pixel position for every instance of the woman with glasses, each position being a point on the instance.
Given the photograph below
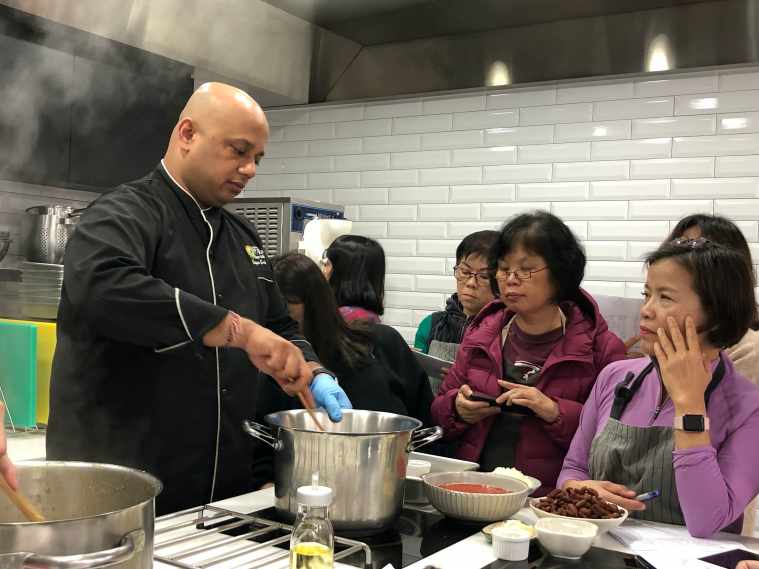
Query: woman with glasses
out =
(440, 333)
(685, 422)
(529, 359)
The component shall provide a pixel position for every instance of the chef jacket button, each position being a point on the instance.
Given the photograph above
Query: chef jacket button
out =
(219, 296)
(225, 391)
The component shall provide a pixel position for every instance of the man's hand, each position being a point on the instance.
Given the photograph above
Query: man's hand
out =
(269, 352)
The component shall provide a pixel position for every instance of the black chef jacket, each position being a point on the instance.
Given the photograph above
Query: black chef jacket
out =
(147, 274)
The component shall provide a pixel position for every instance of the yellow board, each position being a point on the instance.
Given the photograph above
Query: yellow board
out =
(45, 351)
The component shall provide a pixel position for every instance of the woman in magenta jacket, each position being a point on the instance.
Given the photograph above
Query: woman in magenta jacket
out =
(537, 350)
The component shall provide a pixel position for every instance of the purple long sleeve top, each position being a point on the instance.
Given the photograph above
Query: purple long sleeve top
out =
(714, 483)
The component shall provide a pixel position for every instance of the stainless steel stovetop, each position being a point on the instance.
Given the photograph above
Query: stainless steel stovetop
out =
(213, 538)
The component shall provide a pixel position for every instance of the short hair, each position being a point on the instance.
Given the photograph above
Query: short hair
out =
(723, 282)
(358, 272)
(477, 243)
(542, 233)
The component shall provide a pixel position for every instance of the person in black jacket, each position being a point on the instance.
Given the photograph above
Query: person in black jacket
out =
(440, 333)
(376, 368)
(159, 283)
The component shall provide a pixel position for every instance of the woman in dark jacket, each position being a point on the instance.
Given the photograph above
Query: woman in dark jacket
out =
(537, 350)
(373, 363)
(355, 268)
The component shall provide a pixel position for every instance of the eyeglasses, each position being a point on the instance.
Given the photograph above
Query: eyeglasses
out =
(463, 275)
(521, 274)
(691, 243)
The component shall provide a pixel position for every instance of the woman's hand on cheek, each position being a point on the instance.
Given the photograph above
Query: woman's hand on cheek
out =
(684, 371)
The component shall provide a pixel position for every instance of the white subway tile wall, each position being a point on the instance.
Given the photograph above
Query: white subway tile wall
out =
(620, 160)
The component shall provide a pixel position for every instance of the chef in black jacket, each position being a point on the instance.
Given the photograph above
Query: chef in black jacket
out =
(167, 301)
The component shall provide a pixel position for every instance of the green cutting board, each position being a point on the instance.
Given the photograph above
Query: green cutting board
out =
(18, 372)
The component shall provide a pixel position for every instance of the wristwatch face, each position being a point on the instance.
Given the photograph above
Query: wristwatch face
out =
(693, 423)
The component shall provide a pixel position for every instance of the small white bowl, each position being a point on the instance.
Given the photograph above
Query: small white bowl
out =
(510, 545)
(417, 468)
(566, 538)
(603, 525)
(532, 482)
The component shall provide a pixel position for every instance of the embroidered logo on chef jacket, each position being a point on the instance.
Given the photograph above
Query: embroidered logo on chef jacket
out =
(256, 255)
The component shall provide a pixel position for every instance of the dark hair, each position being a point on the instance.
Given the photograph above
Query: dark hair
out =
(358, 272)
(723, 282)
(477, 243)
(717, 229)
(723, 231)
(337, 344)
(544, 234)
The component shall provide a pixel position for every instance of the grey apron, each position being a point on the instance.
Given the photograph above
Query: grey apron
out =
(641, 457)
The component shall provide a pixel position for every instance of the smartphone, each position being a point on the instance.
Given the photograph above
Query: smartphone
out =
(729, 559)
(513, 409)
(479, 396)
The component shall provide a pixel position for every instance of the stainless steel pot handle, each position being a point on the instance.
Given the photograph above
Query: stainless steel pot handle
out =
(72, 218)
(132, 543)
(421, 437)
(262, 433)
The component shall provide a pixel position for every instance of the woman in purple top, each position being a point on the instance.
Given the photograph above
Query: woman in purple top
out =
(685, 422)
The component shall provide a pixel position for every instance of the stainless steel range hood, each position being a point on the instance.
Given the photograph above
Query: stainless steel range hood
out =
(682, 35)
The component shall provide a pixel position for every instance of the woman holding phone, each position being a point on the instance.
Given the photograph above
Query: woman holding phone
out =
(534, 353)
(684, 421)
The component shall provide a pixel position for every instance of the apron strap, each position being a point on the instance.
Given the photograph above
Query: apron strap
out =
(622, 396)
(717, 377)
(626, 389)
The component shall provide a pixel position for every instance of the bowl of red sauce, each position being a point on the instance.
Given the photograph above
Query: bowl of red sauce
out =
(475, 496)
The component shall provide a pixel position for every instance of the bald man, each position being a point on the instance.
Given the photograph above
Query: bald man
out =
(170, 313)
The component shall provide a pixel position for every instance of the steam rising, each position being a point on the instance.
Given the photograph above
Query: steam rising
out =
(44, 85)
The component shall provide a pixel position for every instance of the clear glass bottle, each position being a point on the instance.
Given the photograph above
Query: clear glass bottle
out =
(312, 545)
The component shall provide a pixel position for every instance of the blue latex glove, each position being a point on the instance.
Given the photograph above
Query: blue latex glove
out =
(329, 395)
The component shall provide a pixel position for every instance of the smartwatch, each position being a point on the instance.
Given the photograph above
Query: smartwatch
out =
(692, 423)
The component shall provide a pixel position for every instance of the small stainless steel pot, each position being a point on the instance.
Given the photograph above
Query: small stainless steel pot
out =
(362, 458)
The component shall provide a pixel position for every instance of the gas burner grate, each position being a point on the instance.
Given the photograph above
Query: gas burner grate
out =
(207, 537)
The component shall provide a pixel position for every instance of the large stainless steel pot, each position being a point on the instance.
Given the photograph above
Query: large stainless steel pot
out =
(99, 515)
(46, 230)
(362, 458)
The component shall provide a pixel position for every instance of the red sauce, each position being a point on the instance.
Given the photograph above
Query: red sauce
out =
(473, 488)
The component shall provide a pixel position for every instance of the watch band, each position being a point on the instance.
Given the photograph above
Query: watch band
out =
(692, 423)
(319, 370)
